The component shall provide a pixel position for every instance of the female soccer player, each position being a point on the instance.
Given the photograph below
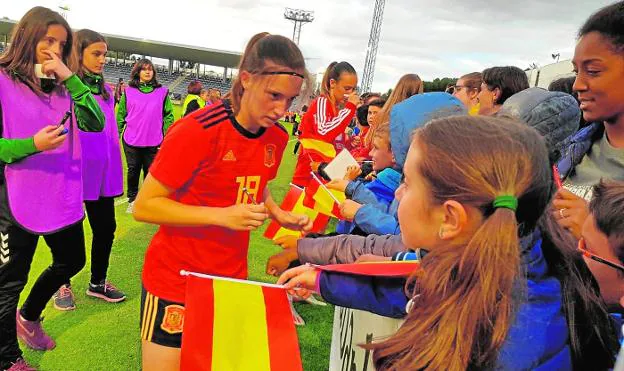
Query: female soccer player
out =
(208, 189)
(325, 120)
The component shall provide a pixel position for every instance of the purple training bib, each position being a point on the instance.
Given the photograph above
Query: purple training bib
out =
(144, 121)
(45, 189)
(102, 173)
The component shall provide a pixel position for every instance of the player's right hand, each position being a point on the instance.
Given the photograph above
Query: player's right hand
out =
(49, 138)
(244, 217)
(354, 98)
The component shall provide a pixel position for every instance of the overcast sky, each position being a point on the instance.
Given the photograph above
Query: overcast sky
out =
(433, 38)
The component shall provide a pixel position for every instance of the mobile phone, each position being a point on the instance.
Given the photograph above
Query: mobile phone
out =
(63, 121)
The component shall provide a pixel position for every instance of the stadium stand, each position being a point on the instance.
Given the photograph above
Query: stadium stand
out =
(206, 80)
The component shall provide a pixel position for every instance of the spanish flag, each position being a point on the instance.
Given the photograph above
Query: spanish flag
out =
(323, 200)
(294, 202)
(317, 150)
(237, 325)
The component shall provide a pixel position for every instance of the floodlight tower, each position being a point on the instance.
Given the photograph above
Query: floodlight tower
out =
(63, 9)
(300, 17)
(373, 43)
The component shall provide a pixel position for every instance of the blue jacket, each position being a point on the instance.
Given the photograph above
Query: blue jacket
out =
(405, 117)
(576, 147)
(378, 194)
(538, 338)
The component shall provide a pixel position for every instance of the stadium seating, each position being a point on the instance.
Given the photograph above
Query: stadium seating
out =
(206, 80)
(113, 72)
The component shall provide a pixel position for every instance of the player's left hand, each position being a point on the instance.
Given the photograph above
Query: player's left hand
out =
(570, 211)
(296, 222)
(348, 209)
(299, 281)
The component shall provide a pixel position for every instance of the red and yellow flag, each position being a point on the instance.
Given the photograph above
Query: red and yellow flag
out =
(317, 150)
(237, 325)
(294, 202)
(323, 200)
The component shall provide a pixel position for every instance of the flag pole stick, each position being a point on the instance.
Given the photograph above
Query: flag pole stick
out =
(325, 188)
(235, 280)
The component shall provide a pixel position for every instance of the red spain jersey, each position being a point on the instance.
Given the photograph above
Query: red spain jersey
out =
(207, 158)
(320, 123)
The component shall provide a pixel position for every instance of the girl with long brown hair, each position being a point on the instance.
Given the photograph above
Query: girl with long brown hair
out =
(207, 198)
(144, 115)
(408, 85)
(500, 288)
(44, 106)
(102, 174)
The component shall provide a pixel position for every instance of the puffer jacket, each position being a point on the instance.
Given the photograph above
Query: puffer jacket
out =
(344, 249)
(554, 114)
(576, 147)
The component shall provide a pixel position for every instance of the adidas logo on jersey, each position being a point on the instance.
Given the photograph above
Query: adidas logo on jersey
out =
(229, 156)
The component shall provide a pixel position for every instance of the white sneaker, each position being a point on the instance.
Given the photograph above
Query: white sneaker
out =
(130, 208)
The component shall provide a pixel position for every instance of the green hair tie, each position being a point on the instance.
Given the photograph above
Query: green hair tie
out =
(506, 202)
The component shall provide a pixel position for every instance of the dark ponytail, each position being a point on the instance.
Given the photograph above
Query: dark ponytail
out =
(333, 72)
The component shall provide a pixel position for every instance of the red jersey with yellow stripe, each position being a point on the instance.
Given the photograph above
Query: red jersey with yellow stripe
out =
(207, 158)
(320, 126)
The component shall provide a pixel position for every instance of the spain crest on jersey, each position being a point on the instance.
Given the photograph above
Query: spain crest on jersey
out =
(269, 155)
(173, 319)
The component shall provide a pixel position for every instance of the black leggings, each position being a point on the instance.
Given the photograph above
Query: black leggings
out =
(138, 158)
(68, 258)
(101, 215)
